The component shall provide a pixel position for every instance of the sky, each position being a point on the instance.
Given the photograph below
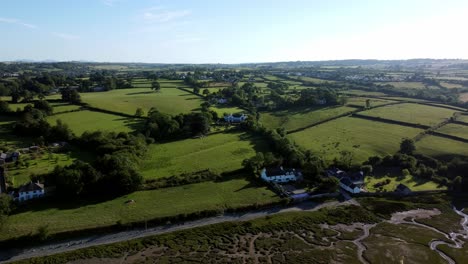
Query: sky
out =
(240, 31)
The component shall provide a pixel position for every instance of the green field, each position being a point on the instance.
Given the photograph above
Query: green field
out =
(463, 118)
(361, 101)
(60, 217)
(82, 121)
(454, 130)
(441, 148)
(406, 85)
(413, 183)
(412, 113)
(297, 118)
(310, 79)
(222, 109)
(168, 100)
(8, 139)
(63, 107)
(363, 93)
(362, 137)
(219, 152)
(451, 85)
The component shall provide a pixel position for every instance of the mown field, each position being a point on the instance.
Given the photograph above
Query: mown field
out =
(412, 113)
(454, 130)
(413, 183)
(82, 121)
(441, 148)
(463, 118)
(222, 152)
(362, 137)
(60, 217)
(406, 85)
(363, 93)
(168, 100)
(300, 117)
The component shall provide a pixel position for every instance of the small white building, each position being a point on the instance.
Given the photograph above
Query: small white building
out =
(236, 118)
(279, 174)
(31, 191)
(222, 100)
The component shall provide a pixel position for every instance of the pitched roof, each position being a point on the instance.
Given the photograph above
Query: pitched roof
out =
(32, 186)
(401, 188)
(270, 172)
(346, 181)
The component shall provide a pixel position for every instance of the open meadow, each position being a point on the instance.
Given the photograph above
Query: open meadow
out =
(412, 113)
(168, 100)
(454, 130)
(82, 121)
(222, 152)
(186, 199)
(441, 148)
(300, 117)
(362, 137)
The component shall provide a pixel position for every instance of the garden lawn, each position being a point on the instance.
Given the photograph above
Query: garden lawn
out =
(454, 130)
(222, 152)
(224, 109)
(413, 183)
(441, 148)
(362, 137)
(168, 100)
(67, 216)
(298, 118)
(412, 113)
(82, 121)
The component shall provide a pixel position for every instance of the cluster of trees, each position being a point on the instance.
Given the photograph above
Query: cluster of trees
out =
(161, 126)
(70, 95)
(6, 206)
(247, 95)
(33, 123)
(424, 167)
(114, 172)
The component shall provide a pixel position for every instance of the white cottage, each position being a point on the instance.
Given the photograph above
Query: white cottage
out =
(279, 174)
(349, 186)
(30, 191)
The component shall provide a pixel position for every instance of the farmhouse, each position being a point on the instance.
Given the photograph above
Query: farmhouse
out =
(349, 182)
(9, 157)
(236, 118)
(30, 191)
(348, 185)
(279, 174)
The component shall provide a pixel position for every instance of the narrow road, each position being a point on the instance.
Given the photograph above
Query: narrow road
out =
(102, 239)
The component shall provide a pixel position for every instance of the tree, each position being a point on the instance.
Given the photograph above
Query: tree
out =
(4, 107)
(457, 184)
(407, 146)
(346, 158)
(139, 112)
(368, 104)
(6, 206)
(206, 92)
(196, 90)
(155, 86)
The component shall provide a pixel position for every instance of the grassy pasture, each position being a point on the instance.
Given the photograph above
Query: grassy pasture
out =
(148, 204)
(406, 85)
(463, 118)
(219, 152)
(82, 121)
(362, 137)
(412, 113)
(8, 140)
(413, 183)
(451, 85)
(455, 130)
(310, 79)
(221, 109)
(441, 148)
(363, 93)
(297, 118)
(362, 101)
(464, 97)
(64, 107)
(168, 100)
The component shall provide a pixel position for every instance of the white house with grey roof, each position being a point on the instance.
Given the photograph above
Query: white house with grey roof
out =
(279, 174)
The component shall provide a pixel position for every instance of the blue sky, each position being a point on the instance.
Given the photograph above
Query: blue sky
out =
(218, 31)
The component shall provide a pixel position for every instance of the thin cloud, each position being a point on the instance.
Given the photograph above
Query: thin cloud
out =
(16, 22)
(156, 14)
(66, 36)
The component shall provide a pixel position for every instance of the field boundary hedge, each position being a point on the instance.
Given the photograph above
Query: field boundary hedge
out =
(95, 109)
(390, 121)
